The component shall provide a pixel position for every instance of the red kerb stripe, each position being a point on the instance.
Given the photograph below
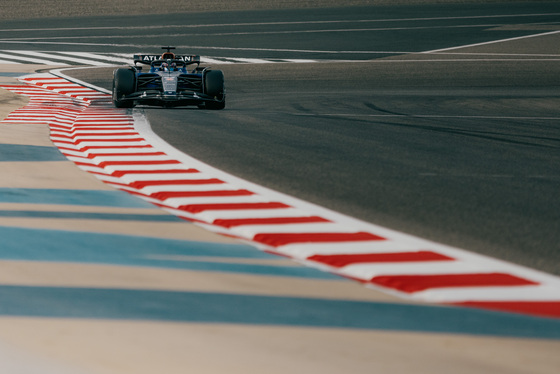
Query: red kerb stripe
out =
(142, 184)
(164, 195)
(97, 128)
(134, 146)
(121, 120)
(342, 260)
(268, 221)
(110, 140)
(43, 78)
(61, 136)
(120, 173)
(280, 239)
(155, 162)
(93, 155)
(416, 283)
(197, 208)
(75, 135)
(78, 90)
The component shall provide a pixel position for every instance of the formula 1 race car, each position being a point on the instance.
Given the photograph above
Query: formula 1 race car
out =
(168, 83)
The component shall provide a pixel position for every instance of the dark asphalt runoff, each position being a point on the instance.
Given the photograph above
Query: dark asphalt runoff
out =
(462, 149)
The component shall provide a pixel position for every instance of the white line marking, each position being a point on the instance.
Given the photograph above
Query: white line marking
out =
(18, 59)
(208, 60)
(96, 56)
(422, 116)
(251, 60)
(494, 42)
(370, 270)
(63, 58)
(520, 293)
(223, 60)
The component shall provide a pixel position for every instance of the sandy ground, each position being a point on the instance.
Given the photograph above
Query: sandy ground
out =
(137, 347)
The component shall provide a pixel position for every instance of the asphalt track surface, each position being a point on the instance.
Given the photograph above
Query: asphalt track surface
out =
(459, 146)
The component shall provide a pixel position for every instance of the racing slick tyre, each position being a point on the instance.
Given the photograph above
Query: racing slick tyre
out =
(123, 84)
(214, 86)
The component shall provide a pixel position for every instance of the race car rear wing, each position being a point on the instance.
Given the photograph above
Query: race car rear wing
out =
(148, 59)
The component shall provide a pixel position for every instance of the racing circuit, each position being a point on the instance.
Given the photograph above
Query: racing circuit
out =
(447, 136)
(468, 112)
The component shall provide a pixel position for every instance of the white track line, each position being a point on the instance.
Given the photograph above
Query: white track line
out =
(493, 42)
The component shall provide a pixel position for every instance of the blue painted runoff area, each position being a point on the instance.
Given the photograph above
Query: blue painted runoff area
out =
(82, 247)
(16, 152)
(6, 74)
(202, 307)
(90, 215)
(119, 199)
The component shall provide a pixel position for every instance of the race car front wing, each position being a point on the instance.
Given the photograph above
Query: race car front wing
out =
(158, 98)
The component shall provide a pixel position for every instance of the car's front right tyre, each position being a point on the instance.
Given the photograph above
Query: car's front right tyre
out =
(214, 86)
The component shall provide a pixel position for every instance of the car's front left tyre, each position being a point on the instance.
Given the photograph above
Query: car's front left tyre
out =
(124, 83)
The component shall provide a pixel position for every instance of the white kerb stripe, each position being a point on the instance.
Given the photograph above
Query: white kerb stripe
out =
(506, 293)
(370, 270)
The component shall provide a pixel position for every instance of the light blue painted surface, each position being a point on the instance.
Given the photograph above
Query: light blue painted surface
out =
(83, 247)
(90, 216)
(16, 152)
(115, 198)
(202, 307)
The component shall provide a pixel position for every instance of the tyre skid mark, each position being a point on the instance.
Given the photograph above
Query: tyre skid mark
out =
(104, 141)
